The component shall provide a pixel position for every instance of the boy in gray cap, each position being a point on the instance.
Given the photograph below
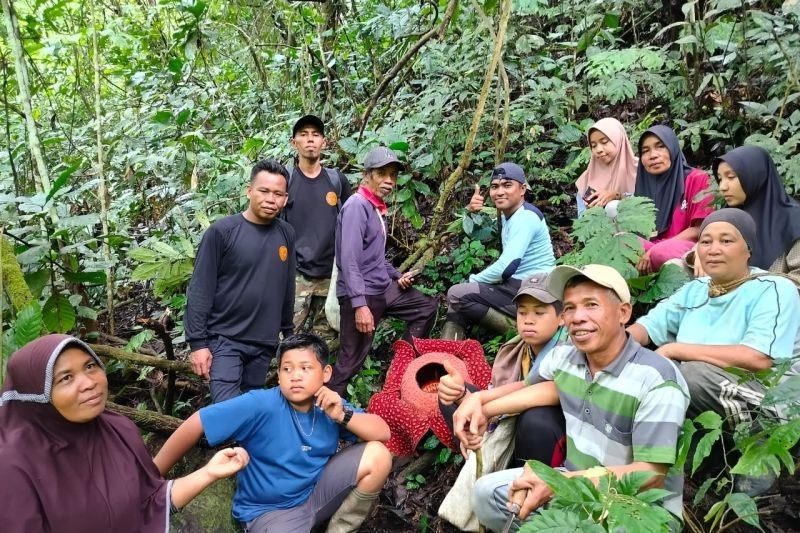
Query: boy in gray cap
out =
(369, 287)
(487, 299)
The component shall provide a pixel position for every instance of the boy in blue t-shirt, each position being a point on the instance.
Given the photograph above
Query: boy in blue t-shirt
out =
(295, 479)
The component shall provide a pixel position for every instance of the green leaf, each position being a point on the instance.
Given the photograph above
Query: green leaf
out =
(162, 117)
(704, 447)
(785, 392)
(28, 324)
(558, 482)
(92, 278)
(431, 443)
(143, 255)
(709, 420)
(147, 271)
(399, 146)
(701, 492)
(467, 223)
(61, 180)
(58, 314)
(745, 508)
(183, 116)
(685, 443)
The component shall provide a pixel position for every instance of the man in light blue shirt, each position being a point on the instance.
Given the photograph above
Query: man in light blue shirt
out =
(487, 299)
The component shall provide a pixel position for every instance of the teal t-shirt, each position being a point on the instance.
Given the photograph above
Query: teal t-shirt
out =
(763, 313)
(527, 248)
(285, 461)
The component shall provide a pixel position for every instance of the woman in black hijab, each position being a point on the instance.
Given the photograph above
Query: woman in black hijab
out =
(748, 180)
(680, 192)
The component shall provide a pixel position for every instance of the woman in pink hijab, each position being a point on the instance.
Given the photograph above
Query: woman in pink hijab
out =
(612, 170)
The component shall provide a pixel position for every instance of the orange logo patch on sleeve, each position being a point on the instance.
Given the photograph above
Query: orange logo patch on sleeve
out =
(283, 253)
(331, 198)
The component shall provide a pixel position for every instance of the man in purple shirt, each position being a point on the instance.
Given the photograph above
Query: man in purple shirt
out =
(369, 287)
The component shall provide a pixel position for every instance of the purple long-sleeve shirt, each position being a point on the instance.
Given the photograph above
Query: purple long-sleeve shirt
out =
(361, 252)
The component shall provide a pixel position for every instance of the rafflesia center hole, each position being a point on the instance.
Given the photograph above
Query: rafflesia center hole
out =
(428, 376)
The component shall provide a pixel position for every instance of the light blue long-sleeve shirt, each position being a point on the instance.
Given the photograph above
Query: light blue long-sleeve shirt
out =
(526, 248)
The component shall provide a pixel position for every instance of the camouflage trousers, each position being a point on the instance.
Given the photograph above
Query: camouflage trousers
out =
(309, 308)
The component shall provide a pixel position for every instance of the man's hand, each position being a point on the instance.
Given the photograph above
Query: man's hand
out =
(451, 387)
(670, 351)
(477, 200)
(227, 462)
(365, 323)
(469, 423)
(643, 266)
(330, 402)
(407, 279)
(601, 198)
(201, 362)
(536, 493)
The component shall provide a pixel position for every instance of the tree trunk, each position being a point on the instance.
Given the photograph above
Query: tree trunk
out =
(102, 190)
(147, 420)
(140, 359)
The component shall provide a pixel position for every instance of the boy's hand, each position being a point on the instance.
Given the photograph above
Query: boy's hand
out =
(227, 462)
(451, 387)
(469, 423)
(330, 402)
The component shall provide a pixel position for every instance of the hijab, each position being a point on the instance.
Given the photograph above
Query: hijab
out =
(776, 215)
(91, 477)
(665, 189)
(620, 174)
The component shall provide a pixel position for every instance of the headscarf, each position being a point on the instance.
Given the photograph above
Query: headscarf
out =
(66, 476)
(776, 215)
(620, 174)
(737, 218)
(666, 189)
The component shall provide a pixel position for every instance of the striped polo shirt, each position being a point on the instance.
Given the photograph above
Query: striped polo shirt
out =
(632, 410)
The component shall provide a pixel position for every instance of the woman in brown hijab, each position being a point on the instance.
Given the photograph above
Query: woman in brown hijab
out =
(67, 464)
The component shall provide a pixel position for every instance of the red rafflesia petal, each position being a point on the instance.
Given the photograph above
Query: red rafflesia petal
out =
(406, 425)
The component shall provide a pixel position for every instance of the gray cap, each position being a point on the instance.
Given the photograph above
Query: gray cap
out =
(509, 171)
(535, 285)
(380, 157)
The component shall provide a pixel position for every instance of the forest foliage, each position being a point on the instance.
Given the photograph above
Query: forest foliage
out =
(146, 115)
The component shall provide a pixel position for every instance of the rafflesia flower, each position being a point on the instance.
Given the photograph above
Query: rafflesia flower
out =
(408, 401)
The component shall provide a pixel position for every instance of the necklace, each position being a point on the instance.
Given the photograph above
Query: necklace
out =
(300, 426)
(718, 289)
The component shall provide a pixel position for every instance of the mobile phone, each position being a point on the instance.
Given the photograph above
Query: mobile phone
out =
(589, 192)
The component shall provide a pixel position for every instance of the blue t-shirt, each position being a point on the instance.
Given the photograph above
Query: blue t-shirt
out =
(763, 313)
(285, 464)
(526, 248)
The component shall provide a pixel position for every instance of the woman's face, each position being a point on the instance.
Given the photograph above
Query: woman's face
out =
(602, 148)
(654, 155)
(80, 386)
(730, 186)
(723, 252)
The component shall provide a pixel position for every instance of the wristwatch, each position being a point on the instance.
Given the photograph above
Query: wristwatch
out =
(348, 414)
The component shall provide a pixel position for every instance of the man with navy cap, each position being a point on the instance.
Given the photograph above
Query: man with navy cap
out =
(487, 299)
(368, 286)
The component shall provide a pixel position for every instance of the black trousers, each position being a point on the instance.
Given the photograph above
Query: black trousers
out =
(410, 305)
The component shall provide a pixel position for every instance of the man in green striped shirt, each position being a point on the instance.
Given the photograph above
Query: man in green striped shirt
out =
(624, 405)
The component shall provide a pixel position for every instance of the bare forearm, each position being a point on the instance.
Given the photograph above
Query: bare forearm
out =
(540, 394)
(186, 488)
(639, 334)
(723, 356)
(180, 442)
(656, 481)
(489, 395)
(369, 427)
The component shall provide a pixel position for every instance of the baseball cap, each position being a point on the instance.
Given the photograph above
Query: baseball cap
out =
(603, 275)
(380, 157)
(509, 171)
(535, 285)
(309, 120)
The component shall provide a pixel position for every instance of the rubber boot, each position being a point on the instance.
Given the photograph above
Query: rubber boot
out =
(497, 322)
(353, 511)
(453, 331)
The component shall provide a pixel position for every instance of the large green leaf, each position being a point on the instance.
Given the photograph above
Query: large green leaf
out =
(28, 324)
(745, 508)
(58, 314)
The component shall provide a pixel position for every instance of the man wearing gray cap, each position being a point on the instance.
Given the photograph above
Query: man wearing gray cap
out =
(487, 299)
(369, 287)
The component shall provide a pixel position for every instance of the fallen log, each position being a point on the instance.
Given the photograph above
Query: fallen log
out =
(140, 359)
(147, 420)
